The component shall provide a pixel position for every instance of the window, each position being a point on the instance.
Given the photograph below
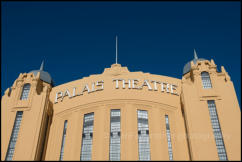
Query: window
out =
(63, 141)
(114, 153)
(216, 130)
(25, 92)
(143, 135)
(206, 80)
(168, 134)
(14, 136)
(86, 150)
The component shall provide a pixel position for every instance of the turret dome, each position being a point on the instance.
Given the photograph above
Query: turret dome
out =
(44, 76)
(187, 67)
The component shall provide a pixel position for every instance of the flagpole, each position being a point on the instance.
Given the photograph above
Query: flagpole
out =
(116, 49)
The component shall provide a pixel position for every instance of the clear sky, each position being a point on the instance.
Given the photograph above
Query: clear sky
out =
(77, 39)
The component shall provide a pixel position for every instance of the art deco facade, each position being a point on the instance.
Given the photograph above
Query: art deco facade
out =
(123, 115)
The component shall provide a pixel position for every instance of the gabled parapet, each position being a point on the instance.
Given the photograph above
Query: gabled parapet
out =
(116, 69)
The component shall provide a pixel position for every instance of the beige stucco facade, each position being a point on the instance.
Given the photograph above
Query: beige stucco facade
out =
(183, 100)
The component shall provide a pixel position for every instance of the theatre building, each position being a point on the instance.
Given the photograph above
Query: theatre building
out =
(123, 115)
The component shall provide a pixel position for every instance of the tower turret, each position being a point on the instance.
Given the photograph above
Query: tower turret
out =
(26, 100)
(211, 111)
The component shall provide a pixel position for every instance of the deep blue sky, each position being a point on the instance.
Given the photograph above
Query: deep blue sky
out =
(77, 39)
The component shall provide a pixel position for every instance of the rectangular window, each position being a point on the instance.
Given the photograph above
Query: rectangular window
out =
(86, 150)
(206, 80)
(216, 130)
(14, 136)
(168, 135)
(143, 135)
(63, 141)
(25, 92)
(114, 153)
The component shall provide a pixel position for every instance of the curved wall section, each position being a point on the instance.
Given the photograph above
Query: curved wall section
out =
(132, 86)
(117, 88)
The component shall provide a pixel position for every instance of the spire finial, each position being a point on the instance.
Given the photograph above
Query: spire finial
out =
(42, 66)
(195, 54)
(116, 49)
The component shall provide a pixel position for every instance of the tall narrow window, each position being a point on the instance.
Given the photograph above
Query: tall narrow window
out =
(25, 92)
(14, 136)
(63, 141)
(143, 135)
(86, 151)
(114, 153)
(216, 130)
(168, 135)
(206, 80)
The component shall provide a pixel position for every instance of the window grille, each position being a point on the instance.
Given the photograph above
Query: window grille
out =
(206, 80)
(63, 141)
(14, 136)
(168, 134)
(143, 135)
(25, 92)
(216, 130)
(86, 150)
(114, 153)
